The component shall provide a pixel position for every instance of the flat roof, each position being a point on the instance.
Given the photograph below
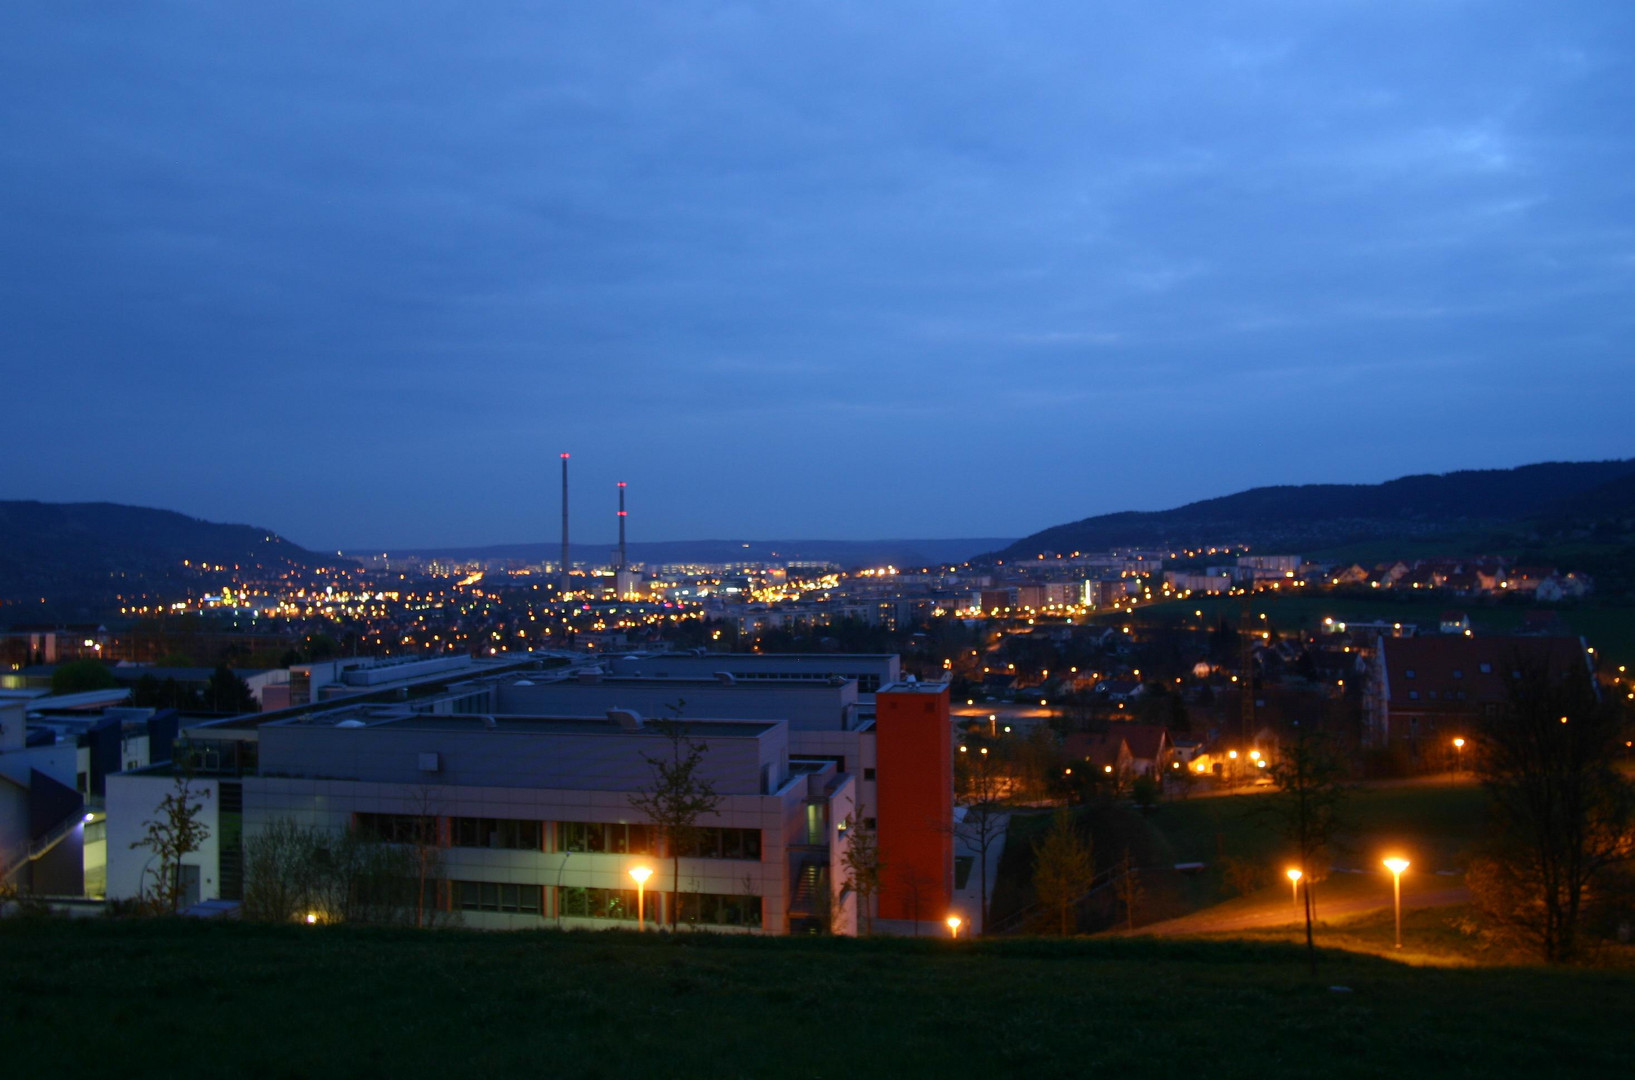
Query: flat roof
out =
(532, 725)
(904, 687)
(803, 685)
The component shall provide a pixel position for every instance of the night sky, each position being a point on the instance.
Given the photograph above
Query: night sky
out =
(359, 272)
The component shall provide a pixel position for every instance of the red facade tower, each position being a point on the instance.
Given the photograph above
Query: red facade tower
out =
(914, 769)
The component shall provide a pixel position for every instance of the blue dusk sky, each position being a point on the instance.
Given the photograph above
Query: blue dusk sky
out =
(358, 272)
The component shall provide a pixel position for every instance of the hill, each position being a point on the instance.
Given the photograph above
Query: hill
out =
(846, 553)
(79, 558)
(1312, 516)
(289, 1001)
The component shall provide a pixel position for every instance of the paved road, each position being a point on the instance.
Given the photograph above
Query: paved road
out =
(1286, 914)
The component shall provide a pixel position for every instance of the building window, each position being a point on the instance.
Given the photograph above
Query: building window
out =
(495, 896)
(868, 774)
(1485, 669)
(398, 828)
(1413, 695)
(868, 823)
(579, 903)
(1408, 674)
(714, 843)
(717, 909)
(1458, 673)
(604, 837)
(495, 833)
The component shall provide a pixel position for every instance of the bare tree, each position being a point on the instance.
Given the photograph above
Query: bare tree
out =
(1128, 887)
(1561, 811)
(677, 796)
(1311, 792)
(1064, 868)
(175, 833)
(861, 862)
(981, 790)
(427, 850)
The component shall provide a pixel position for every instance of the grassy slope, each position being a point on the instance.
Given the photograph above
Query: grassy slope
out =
(1434, 825)
(200, 999)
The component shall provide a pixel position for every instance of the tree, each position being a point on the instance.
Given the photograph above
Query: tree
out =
(78, 676)
(1561, 813)
(426, 851)
(295, 871)
(1311, 792)
(678, 795)
(1064, 868)
(227, 692)
(175, 833)
(281, 872)
(1128, 886)
(861, 863)
(981, 791)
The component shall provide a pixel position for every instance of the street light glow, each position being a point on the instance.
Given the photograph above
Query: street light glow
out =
(641, 874)
(1397, 864)
(953, 925)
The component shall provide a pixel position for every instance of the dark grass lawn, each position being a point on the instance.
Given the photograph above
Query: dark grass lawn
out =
(165, 998)
(1433, 824)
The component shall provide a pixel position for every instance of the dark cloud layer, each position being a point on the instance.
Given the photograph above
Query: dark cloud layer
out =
(359, 271)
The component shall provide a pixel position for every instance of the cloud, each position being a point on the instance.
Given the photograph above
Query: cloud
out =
(832, 228)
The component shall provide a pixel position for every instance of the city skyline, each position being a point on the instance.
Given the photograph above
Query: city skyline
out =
(851, 272)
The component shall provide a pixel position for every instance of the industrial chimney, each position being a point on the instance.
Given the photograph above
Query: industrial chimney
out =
(564, 588)
(623, 562)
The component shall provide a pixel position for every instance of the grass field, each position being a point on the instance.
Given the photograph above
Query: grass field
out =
(1434, 824)
(207, 999)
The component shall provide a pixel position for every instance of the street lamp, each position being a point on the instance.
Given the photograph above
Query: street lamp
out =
(1294, 876)
(641, 874)
(1459, 755)
(953, 926)
(1397, 866)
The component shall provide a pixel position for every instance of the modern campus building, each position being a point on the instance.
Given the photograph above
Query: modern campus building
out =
(528, 778)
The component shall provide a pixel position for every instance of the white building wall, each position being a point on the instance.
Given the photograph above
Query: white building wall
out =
(133, 800)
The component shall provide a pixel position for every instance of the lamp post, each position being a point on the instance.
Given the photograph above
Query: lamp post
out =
(953, 926)
(1397, 866)
(1294, 876)
(1459, 755)
(641, 874)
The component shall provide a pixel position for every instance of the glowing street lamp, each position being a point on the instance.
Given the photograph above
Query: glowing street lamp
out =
(953, 926)
(1459, 754)
(1294, 876)
(641, 874)
(1397, 866)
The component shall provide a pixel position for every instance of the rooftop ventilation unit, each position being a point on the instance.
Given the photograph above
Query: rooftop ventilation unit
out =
(627, 719)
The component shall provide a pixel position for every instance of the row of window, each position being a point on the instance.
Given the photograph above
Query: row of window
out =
(496, 833)
(699, 909)
(618, 839)
(399, 828)
(597, 837)
(1459, 673)
(1413, 695)
(494, 896)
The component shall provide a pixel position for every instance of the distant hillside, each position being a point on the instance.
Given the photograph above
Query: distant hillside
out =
(79, 557)
(1324, 515)
(847, 553)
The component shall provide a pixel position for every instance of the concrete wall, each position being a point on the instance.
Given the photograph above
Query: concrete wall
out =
(509, 758)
